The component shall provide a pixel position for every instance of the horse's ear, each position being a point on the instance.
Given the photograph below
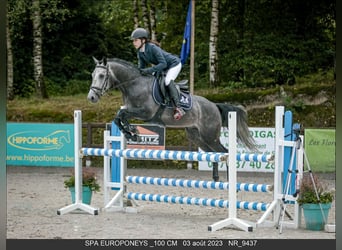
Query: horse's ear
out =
(104, 60)
(95, 60)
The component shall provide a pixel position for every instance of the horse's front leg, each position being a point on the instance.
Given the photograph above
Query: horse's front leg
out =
(121, 120)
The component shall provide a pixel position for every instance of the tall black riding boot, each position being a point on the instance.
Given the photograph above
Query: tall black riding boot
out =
(178, 112)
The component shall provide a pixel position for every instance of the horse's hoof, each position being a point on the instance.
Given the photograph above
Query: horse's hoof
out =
(133, 129)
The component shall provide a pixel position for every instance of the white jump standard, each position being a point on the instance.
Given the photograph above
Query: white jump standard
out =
(78, 205)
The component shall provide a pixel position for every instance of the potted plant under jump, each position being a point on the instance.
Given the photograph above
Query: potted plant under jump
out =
(89, 185)
(315, 200)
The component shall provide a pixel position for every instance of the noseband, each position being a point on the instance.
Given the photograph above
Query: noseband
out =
(100, 91)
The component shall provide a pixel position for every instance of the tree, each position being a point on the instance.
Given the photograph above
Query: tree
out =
(145, 15)
(213, 57)
(136, 13)
(37, 50)
(153, 20)
(10, 92)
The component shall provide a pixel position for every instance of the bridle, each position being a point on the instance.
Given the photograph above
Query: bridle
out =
(100, 91)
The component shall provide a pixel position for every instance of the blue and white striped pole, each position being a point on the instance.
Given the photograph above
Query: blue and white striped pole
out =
(157, 154)
(174, 155)
(197, 184)
(196, 201)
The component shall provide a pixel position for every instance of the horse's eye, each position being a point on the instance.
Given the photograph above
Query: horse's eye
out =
(101, 76)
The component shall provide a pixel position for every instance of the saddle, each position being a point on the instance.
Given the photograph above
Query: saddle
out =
(182, 86)
(161, 96)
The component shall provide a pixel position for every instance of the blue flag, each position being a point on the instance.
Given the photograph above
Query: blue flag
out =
(185, 51)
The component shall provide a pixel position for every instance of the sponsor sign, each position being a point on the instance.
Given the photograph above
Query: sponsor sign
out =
(150, 137)
(264, 138)
(320, 148)
(40, 144)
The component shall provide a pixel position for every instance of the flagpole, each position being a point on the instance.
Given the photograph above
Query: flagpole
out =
(192, 60)
(192, 47)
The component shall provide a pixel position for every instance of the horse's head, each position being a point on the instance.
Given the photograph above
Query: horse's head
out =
(115, 73)
(100, 80)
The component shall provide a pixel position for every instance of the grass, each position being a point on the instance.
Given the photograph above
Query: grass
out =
(61, 108)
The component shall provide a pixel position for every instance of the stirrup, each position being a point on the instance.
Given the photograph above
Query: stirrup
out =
(178, 113)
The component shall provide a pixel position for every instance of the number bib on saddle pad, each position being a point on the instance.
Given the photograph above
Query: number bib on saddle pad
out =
(185, 99)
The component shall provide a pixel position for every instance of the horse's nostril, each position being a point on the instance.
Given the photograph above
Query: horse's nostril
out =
(92, 98)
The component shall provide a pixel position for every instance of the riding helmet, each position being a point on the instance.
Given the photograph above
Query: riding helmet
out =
(139, 33)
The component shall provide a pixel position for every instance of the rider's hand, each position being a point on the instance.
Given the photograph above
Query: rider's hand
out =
(146, 71)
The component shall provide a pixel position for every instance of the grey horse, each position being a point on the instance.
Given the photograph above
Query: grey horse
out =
(203, 119)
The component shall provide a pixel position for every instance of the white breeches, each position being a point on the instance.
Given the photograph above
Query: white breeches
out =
(172, 73)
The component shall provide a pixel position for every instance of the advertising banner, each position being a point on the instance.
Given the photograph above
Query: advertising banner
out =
(150, 137)
(264, 138)
(40, 144)
(320, 149)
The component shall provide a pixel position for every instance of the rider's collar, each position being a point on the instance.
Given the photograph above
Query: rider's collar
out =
(142, 48)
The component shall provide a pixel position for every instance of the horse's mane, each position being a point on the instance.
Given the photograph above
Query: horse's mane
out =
(123, 62)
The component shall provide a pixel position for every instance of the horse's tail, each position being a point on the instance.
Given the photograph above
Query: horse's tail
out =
(243, 133)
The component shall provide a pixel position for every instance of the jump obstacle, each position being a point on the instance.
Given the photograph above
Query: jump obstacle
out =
(286, 162)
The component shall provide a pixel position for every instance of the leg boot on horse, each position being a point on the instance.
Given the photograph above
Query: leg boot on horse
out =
(179, 112)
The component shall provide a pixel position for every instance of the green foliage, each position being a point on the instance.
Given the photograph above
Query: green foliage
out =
(269, 58)
(313, 191)
(75, 86)
(260, 43)
(272, 43)
(48, 115)
(88, 180)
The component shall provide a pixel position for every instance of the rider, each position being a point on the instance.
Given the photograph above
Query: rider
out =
(150, 53)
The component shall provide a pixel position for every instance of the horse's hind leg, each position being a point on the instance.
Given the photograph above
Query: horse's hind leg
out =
(217, 147)
(216, 176)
